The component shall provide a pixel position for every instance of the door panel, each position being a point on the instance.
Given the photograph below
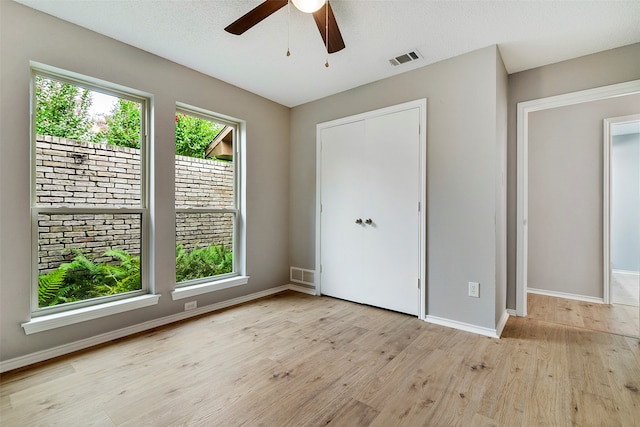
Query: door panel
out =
(392, 242)
(341, 201)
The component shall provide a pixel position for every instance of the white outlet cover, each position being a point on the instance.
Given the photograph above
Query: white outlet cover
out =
(474, 289)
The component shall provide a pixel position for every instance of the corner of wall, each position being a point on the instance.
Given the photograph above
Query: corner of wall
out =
(502, 82)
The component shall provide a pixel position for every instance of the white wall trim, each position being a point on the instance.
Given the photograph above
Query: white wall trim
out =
(40, 356)
(524, 108)
(203, 288)
(71, 317)
(606, 211)
(467, 327)
(502, 323)
(566, 295)
(626, 272)
(511, 312)
(422, 105)
(302, 289)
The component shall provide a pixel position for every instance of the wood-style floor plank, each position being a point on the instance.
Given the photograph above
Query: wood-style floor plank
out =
(615, 319)
(299, 360)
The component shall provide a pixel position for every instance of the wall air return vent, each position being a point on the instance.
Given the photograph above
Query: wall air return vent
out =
(301, 275)
(414, 55)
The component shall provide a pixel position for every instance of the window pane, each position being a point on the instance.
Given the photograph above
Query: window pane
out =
(89, 255)
(87, 147)
(204, 245)
(204, 163)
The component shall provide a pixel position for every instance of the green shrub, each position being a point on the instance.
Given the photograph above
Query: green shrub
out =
(122, 277)
(202, 262)
(123, 124)
(83, 279)
(193, 135)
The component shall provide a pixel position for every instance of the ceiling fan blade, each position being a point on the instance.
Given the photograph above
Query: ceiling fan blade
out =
(335, 38)
(256, 15)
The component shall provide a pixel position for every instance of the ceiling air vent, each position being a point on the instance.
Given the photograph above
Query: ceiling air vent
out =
(414, 55)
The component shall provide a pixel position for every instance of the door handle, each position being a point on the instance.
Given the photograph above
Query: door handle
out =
(359, 221)
(368, 221)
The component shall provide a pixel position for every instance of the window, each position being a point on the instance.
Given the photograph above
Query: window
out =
(206, 200)
(89, 192)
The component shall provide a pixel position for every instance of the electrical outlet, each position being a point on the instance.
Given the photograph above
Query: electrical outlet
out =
(190, 305)
(474, 289)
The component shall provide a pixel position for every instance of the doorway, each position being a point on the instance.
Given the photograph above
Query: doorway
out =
(523, 113)
(622, 210)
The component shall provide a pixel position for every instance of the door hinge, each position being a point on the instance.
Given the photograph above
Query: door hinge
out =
(418, 206)
(418, 283)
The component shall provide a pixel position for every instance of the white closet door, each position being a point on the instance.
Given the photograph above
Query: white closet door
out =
(392, 243)
(341, 238)
(370, 170)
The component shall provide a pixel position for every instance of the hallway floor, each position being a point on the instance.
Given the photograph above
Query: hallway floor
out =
(615, 318)
(625, 288)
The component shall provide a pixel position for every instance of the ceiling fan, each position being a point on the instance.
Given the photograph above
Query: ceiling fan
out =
(321, 10)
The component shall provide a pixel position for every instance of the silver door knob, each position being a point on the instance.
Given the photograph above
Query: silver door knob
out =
(368, 221)
(359, 221)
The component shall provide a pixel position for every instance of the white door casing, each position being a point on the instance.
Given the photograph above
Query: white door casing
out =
(372, 166)
(606, 197)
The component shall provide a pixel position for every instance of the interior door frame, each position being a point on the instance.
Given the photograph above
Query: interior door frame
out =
(421, 104)
(606, 198)
(522, 209)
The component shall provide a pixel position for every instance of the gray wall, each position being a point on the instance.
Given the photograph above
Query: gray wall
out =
(565, 195)
(27, 35)
(465, 131)
(625, 202)
(601, 69)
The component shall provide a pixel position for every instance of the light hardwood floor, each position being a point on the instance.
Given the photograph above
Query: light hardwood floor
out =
(298, 360)
(615, 319)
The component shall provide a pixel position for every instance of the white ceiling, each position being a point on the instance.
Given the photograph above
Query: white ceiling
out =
(191, 32)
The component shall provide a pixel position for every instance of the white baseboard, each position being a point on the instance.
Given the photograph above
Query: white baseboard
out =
(303, 289)
(511, 312)
(501, 323)
(467, 327)
(40, 356)
(566, 295)
(626, 272)
(625, 301)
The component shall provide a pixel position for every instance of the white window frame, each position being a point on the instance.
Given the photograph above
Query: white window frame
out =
(44, 318)
(239, 276)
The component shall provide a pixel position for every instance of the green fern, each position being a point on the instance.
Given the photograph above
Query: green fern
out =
(83, 279)
(202, 262)
(49, 287)
(123, 277)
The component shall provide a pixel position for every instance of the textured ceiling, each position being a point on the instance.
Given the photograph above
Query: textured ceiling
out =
(191, 32)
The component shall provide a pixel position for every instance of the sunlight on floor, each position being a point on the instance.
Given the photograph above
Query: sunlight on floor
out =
(625, 288)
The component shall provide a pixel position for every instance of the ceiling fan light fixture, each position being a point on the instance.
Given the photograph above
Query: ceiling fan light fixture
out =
(308, 6)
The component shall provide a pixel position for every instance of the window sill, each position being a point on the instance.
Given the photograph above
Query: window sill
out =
(58, 320)
(203, 288)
